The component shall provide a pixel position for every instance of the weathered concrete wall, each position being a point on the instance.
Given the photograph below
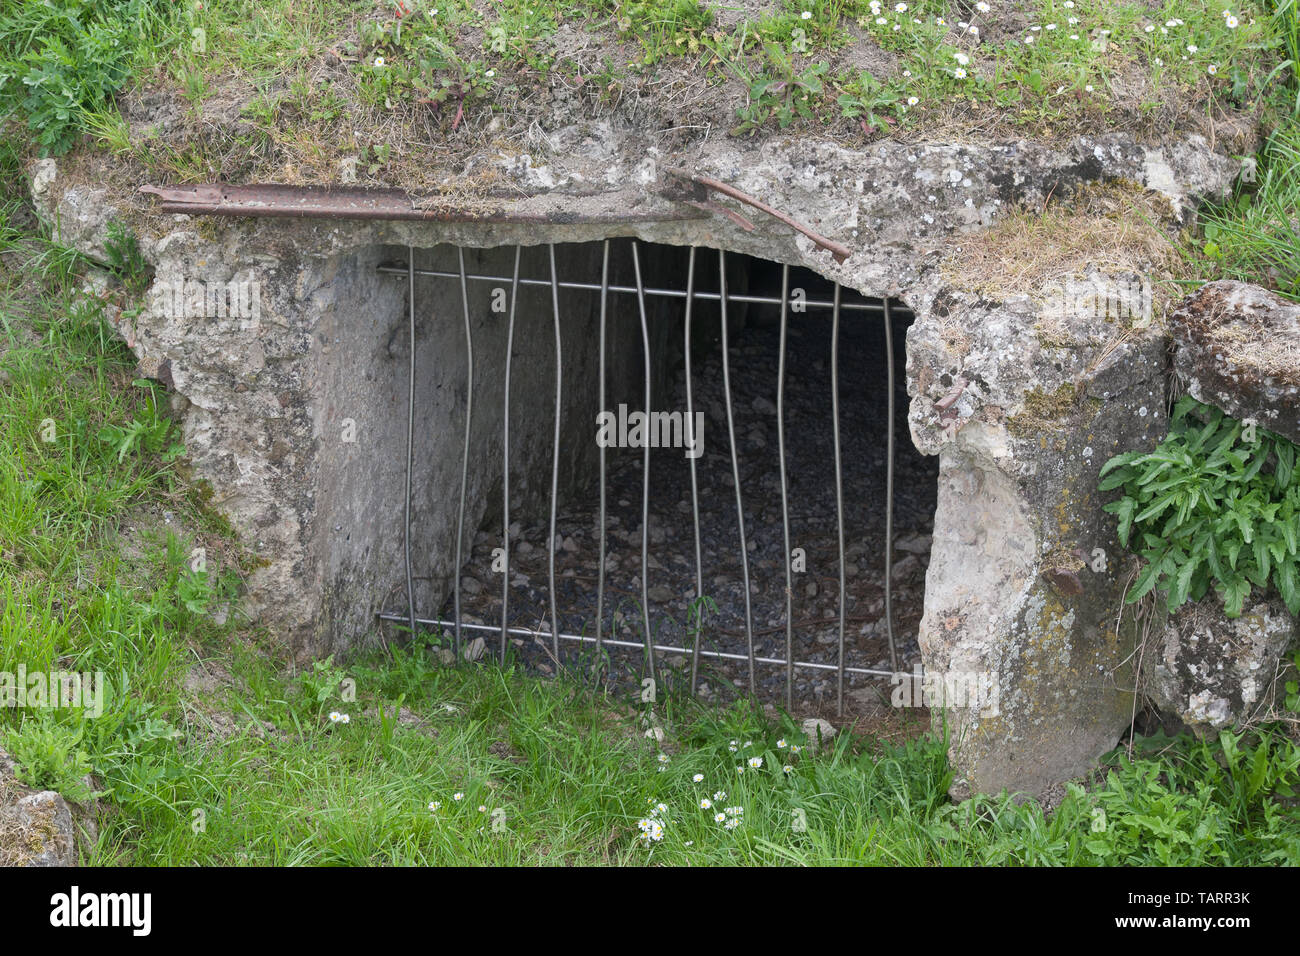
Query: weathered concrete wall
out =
(1020, 445)
(1011, 590)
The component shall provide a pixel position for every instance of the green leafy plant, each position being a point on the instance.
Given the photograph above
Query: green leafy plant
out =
(50, 757)
(1207, 508)
(1292, 699)
(865, 97)
(784, 97)
(63, 58)
(322, 682)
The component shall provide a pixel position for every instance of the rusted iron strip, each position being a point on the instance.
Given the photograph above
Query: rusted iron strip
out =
(839, 251)
(334, 202)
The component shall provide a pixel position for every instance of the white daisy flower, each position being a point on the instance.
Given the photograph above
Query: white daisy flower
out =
(781, 744)
(1232, 22)
(379, 61)
(482, 808)
(900, 8)
(706, 803)
(756, 762)
(961, 58)
(720, 795)
(458, 796)
(983, 7)
(434, 806)
(719, 817)
(959, 73)
(1212, 69)
(787, 769)
(335, 716)
(1192, 48)
(663, 758)
(806, 15)
(912, 101)
(698, 778)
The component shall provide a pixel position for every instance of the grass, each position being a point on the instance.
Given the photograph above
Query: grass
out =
(1256, 236)
(371, 81)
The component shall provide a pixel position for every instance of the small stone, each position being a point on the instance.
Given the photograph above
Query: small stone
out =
(820, 732)
(914, 544)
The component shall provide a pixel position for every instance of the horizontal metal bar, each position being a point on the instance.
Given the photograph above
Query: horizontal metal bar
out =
(637, 645)
(666, 293)
(341, 202)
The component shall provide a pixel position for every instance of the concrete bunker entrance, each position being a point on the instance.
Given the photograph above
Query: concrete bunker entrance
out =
(483, 567)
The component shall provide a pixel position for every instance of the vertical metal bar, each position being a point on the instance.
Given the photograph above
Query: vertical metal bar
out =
(645, 472)
(505, 465)
(735, 462)
(785, 501)
(839, 487)
(600, 574)
(464, 455)
(889, 494)
(555, 451)
(410, 435)
(695, 489)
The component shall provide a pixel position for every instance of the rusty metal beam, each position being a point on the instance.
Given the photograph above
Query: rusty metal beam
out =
(342, 202)
(839, 251)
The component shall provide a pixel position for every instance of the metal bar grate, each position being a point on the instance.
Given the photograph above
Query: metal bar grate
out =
(689, 296)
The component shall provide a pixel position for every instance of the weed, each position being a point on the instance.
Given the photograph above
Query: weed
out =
(1216, 503)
